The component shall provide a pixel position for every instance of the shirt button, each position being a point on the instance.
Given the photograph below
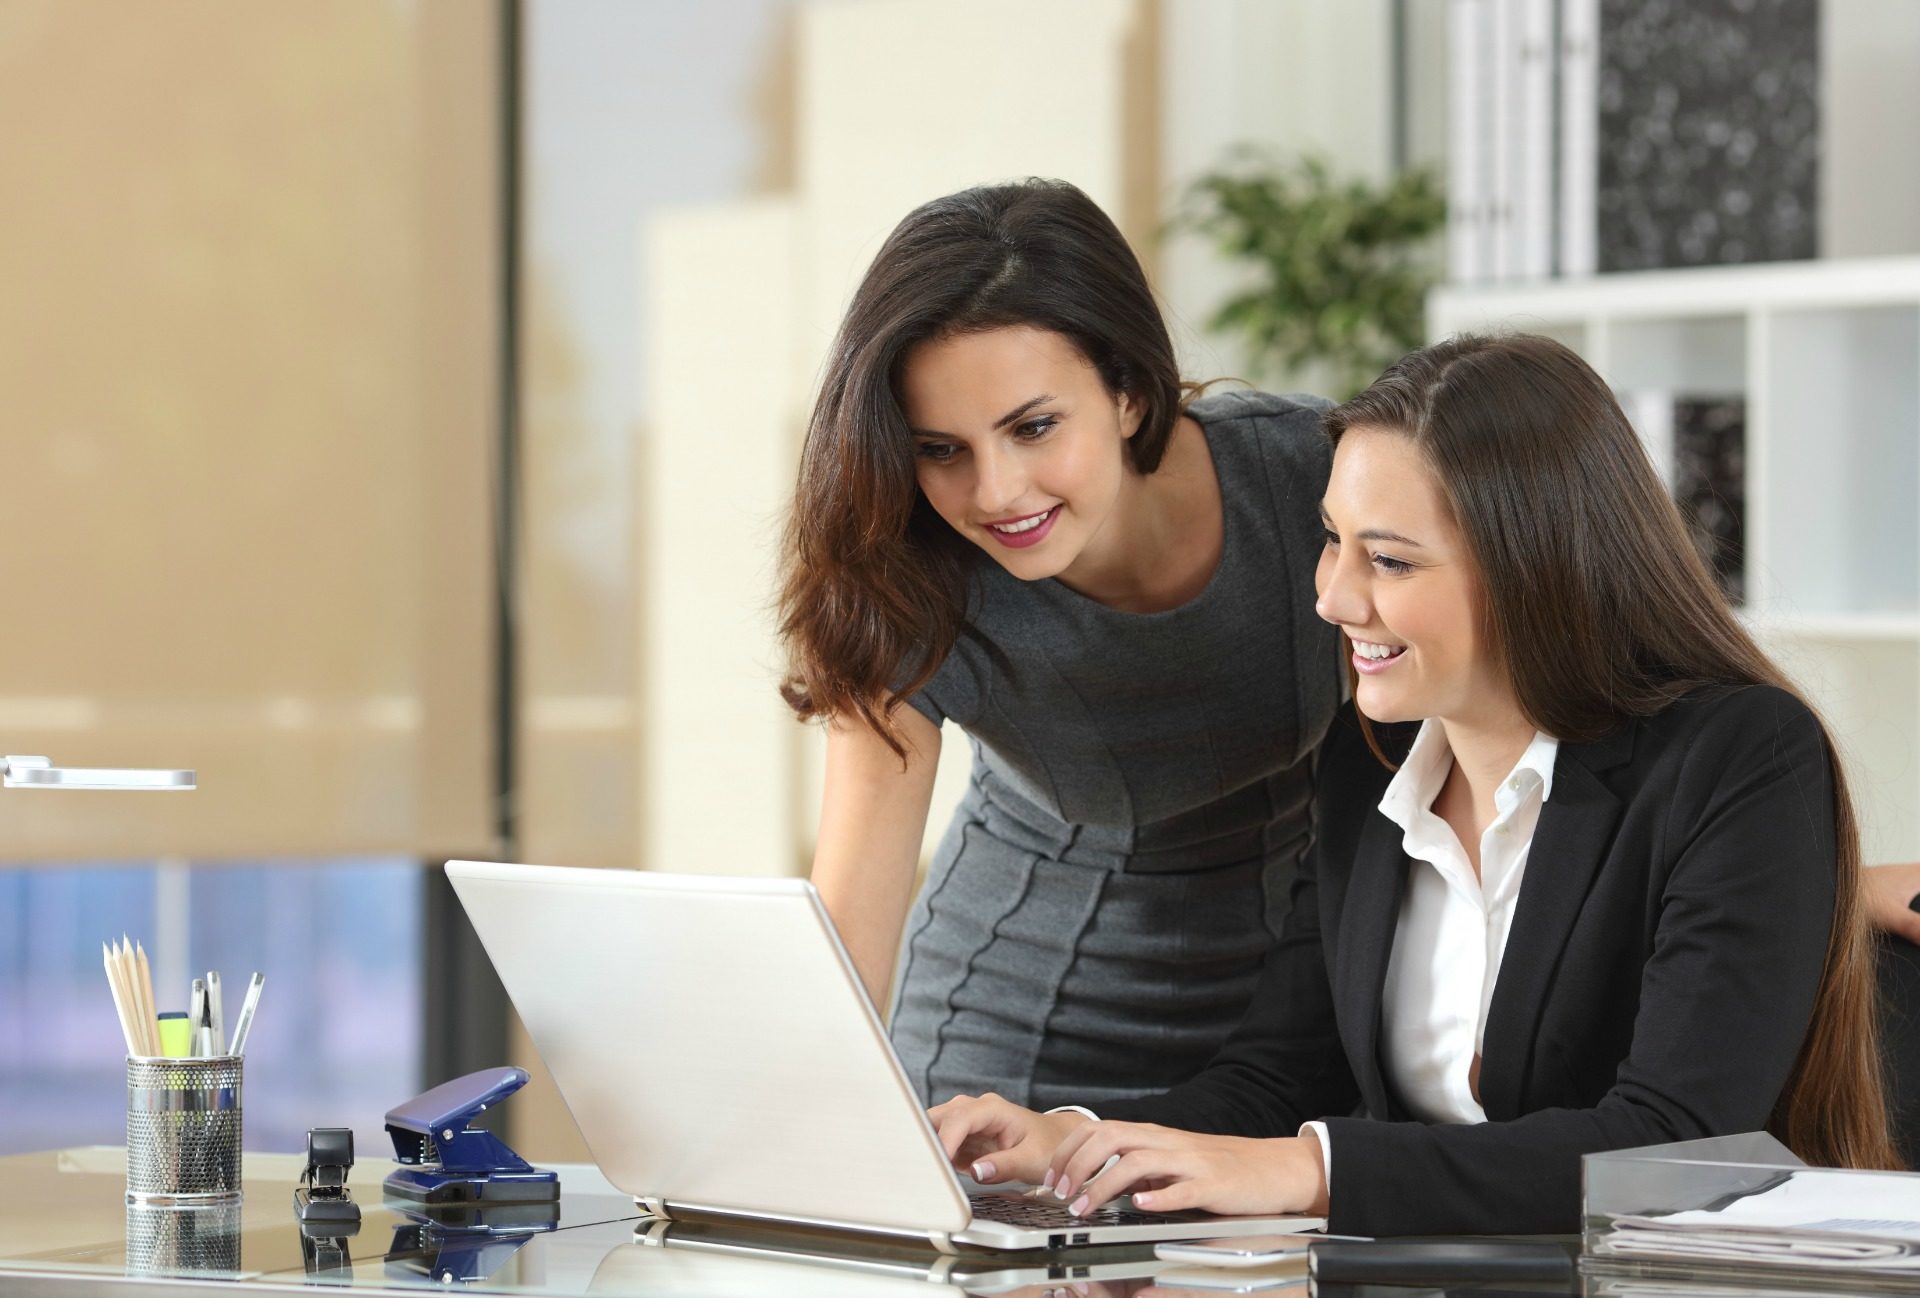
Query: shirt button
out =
(1514, 784)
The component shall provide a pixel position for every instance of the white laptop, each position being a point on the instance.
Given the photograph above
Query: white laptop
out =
(723, 1061)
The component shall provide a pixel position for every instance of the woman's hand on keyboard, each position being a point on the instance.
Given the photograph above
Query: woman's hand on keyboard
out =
(996, 1140)
(1176, 1171)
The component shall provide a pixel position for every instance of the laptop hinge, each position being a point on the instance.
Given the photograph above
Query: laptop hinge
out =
(942, 1242)
(652, 1207)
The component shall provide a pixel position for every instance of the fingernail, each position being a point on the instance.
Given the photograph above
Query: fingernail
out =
(1143, 1201)
(1079, 1208)
(1046, 1182)
(1063, 1189)
(983, 1170)
(1081, 1289)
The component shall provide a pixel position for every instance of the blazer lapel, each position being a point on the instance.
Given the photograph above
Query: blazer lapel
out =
(1367, 922)
(1571, 839)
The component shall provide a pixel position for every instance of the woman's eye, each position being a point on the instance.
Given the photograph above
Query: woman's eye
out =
(1034, 429)
(938, 452)
(1332, 537)
(1389, 564)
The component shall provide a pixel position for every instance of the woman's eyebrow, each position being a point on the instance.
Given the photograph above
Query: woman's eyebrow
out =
(1372, 533)
(1010, 417)
(1021, 409)
(1394, 538)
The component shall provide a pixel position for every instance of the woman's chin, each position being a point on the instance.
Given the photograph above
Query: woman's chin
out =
(1382, 705)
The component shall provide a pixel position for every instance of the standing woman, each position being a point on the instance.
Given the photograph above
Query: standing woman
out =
(1010, 516)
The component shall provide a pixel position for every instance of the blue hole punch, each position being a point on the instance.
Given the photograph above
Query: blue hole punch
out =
(447, 1161)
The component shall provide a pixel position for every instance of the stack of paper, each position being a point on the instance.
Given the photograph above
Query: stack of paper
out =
(1809, 1220)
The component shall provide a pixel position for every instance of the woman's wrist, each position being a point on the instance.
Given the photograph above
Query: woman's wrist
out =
(1066, 1119)
(1309, 1172)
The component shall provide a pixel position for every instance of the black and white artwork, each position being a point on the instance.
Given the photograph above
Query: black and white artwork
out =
(1709, 482)
(1709, 132)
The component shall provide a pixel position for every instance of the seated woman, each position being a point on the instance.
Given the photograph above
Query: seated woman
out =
(1586, 867)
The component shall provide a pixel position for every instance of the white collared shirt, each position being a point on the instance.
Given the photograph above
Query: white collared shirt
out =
(1453, 928)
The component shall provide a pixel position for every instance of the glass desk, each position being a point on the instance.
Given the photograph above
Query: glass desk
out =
(66, 1229)
(67, 1232)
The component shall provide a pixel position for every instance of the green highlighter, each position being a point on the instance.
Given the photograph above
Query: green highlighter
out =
(174, 1034)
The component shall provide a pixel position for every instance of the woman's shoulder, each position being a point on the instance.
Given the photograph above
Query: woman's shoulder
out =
(1272, 447)
(1721, 716)
(1272, 422)
(1718, 741)
(1249, 403)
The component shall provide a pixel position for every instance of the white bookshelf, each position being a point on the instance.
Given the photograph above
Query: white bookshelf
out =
(1827, 356)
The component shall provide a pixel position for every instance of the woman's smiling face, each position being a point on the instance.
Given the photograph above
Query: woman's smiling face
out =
(1396, 577)
(1019, 445)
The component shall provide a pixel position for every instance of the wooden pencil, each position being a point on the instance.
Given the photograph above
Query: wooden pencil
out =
(119, 999)
(130, 981)
(149, 1015)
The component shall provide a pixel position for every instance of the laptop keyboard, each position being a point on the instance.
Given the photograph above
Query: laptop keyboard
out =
(1047, 1214)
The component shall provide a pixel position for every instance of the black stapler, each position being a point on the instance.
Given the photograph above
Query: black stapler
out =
(322, 1198)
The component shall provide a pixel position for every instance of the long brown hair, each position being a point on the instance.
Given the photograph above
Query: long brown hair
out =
(1579, 546)
(874, 584)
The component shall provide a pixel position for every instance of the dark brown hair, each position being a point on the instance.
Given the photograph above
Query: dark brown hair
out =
(1580, 547)
(874, 583)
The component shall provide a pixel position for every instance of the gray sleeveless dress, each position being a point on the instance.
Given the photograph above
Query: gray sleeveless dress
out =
(1096, 915)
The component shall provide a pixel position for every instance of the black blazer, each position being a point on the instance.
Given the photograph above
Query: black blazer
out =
(1658, 978)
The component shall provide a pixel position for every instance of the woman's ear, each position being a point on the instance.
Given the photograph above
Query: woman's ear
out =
(1132, 413)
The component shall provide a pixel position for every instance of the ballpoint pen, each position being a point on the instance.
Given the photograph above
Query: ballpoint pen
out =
(197, 1019)
(215, 1020)
(244, 1024)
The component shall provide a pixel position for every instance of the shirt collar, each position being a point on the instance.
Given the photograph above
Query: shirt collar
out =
(1417, 783)
(1536, 764)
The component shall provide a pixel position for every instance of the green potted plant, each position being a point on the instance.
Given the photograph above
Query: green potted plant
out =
(1341, 268)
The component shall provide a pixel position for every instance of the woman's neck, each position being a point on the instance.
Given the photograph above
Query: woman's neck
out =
(1163, 539)
(1485, 749)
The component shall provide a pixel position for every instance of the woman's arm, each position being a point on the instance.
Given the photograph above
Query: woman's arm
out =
(873, 816)
(1889, 891)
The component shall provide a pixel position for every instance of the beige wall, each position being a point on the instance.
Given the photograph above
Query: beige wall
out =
(247, 363)
(719, 780)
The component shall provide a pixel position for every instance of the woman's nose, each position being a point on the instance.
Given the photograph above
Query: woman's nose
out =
(998, 481)
(1341, 592)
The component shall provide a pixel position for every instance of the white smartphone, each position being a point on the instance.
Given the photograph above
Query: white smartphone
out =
(1236, 1251)
(1215, 1280)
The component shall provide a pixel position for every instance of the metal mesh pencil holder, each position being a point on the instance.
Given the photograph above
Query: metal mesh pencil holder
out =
(183, 1130)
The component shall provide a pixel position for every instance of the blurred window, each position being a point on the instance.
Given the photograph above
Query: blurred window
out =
(337, 1037)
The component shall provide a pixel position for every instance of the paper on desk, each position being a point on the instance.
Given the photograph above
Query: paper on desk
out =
(1813, 1219)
